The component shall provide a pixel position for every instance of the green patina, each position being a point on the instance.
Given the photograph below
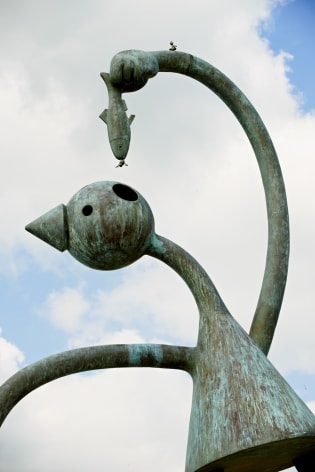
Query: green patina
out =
(244, 416)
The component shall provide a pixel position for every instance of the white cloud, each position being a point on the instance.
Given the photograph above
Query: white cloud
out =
(66, 309)
(11, 358)
(192, 162)
(118, 420)
(151, 304)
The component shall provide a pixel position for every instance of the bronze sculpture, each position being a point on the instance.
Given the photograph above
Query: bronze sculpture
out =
(244, 415)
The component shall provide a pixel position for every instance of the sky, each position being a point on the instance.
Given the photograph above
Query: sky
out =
(192, 162)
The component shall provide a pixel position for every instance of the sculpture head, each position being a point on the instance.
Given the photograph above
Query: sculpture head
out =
(105, 225)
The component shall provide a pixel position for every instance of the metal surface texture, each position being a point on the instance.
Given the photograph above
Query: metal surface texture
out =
(122, 226)
(86, 359)
(244, 415)
(131, 69)
(118, 124)
(242, 409)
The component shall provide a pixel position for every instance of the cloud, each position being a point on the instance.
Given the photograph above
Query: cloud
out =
(192, 162)
(162, 310)
(126, 420)
(66, 309)
(11, 358)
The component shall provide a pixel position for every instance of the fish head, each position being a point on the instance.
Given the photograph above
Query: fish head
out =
(120, 147)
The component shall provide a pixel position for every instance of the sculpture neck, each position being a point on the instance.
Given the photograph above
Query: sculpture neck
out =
(209, 302)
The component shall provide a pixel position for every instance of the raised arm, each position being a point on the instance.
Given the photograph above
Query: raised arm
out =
(130, 70)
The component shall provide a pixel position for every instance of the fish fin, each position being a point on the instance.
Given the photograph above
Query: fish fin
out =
(125, 105)
(105, 77)
(103, 116)
(131, 118)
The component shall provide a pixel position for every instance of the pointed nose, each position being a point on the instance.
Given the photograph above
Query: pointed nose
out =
(52, 227)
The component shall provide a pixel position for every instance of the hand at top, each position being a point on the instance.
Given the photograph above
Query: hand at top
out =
(130, 70)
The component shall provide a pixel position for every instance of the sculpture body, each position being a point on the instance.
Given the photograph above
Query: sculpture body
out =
(244, 416)
(240, 402)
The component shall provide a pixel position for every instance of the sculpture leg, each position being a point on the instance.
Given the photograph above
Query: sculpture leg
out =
(305, 463)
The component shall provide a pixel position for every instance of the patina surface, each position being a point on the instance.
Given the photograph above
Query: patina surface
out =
(240, 402)
(118, 123)
(130, 70)
(244, 415)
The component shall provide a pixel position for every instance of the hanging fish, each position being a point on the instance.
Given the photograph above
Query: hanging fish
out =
(118, 123)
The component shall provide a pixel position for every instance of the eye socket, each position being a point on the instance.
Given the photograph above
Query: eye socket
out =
(87, 210)
(125, 192)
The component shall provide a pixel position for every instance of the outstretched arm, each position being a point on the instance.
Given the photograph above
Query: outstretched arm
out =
(90, 358)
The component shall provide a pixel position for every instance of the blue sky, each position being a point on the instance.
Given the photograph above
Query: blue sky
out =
(292, 30)
(53, 144)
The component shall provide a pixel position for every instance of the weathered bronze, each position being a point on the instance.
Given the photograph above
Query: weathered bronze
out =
(110, 242)
(118, 124)
(244, 415)
(243, 411)
(130, 70)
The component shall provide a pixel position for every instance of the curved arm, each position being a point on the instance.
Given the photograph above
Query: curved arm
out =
(198, 281)
(276, 268)
(90, 358)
